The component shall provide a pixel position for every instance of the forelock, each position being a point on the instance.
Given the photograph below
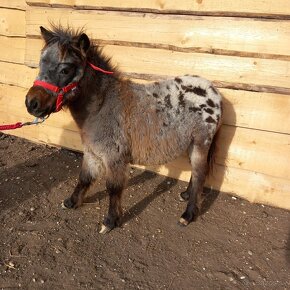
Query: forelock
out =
(65, 38)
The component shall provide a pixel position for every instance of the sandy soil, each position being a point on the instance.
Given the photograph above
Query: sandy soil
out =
(233, 245)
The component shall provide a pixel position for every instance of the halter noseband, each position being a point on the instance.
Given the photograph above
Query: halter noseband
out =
(61, 91)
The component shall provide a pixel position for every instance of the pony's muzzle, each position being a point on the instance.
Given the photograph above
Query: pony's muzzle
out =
(38, 102)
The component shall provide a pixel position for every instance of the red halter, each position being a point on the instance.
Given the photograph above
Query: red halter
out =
(61, 91)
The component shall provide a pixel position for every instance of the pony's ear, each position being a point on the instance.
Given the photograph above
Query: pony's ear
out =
(46, 34)
(83, 42)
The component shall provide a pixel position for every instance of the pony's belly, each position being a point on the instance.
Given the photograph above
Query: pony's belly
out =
(147, 152)
(153, 160)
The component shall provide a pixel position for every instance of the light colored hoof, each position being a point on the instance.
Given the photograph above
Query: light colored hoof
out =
(183, 222)
(104, 230)
(182, 199)
(63, 206)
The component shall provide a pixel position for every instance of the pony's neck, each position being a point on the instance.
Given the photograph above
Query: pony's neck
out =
(93, 88)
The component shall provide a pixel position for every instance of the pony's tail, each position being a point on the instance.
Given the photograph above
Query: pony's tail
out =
(213, 146)
(212, 153)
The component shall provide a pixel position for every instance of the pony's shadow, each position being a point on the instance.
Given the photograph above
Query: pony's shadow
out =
(35, 175)
(209, 195)
(140, 206)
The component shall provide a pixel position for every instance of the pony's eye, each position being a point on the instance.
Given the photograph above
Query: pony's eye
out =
(64, 71)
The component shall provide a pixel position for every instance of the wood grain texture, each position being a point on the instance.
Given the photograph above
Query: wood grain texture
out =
(237, 7)
(254, 150)
(257, 110)
(12, 49)
(17, 74)
(265, 39)
(12, 22)
(213, 67)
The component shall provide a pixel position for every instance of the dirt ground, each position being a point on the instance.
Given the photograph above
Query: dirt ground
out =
(233, 245)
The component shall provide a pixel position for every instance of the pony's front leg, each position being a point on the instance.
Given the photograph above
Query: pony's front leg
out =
(115, 183)
(91, 168)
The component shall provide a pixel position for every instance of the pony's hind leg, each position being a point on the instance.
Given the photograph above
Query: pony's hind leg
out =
(115, 183)
(198, 159)
(91, 168)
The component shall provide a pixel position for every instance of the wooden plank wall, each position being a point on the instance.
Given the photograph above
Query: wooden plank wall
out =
(242, 46)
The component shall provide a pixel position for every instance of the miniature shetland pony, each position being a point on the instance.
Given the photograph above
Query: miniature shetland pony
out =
(122, 122)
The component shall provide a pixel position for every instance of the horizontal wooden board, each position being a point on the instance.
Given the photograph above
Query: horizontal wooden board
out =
(17, 74)
(267, 7)
(269, 39)
(259, 151)
(258, 110)
(12, 22)
(253, 186)
(15, 4)
(227, 69)
(221, 68)
(12, 49)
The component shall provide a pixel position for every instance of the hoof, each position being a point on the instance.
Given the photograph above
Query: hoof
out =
(63, 205)
(68, 204)
(104, 229)
(184, 196)
(182, 222)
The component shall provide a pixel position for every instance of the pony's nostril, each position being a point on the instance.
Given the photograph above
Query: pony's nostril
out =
(34, 104)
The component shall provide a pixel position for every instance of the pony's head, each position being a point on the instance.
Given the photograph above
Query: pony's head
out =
(61, 67)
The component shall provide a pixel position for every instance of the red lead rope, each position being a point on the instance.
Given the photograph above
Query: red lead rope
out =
(11, 127)
(19, 124)
(59, 100)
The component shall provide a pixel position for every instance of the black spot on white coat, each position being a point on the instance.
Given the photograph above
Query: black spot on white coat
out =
(210, 119)
(210, 103)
